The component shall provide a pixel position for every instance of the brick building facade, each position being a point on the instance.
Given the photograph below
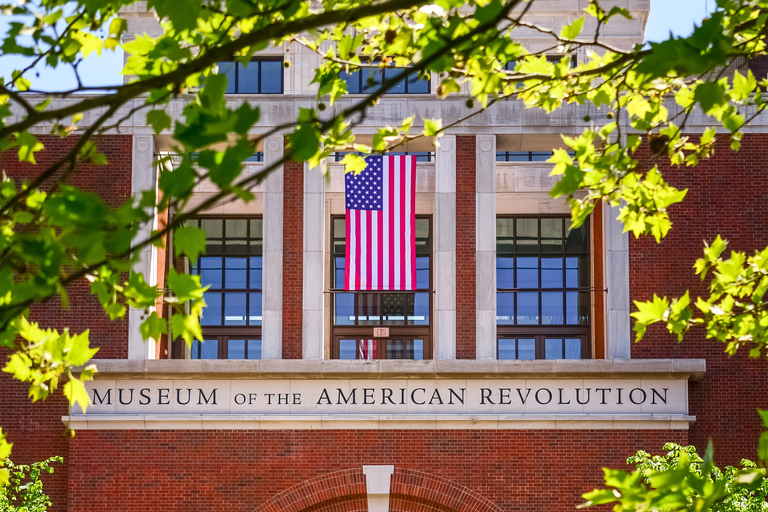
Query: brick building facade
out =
(461, 421)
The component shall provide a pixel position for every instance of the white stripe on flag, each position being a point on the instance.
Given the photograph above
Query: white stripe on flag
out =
(353, 244)
(409, 285)
(374, 270)
(385, 215)
(397, 193)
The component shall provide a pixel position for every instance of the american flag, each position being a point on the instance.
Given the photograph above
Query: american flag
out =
(381, 240)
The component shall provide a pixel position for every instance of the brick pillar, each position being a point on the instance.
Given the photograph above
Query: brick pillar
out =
(465, 247)
(293, 260)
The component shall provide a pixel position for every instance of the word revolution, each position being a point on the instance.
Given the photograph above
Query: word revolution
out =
(375, 397)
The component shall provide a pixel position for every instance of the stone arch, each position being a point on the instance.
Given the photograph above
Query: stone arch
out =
(410, 491)
(416, 491)
(340, 491)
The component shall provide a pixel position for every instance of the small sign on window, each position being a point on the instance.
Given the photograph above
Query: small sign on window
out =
(381, 332)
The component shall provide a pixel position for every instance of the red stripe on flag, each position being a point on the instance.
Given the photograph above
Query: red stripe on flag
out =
(368, 251)
(380, 255)
(412, 241)
(347, 282)
(357, 250)
(403, 240)
(391, 192)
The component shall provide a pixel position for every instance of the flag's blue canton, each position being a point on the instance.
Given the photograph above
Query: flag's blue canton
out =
(365, 191)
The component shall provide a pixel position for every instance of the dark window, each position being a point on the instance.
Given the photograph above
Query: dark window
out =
(259, 76)
(232, 268)
(543, 288)
(421, 156)
(554, 59)
(526, 156)
(368, 80)
(408, 315)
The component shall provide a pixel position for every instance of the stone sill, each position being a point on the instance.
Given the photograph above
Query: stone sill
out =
(692, 369)
(378, 422)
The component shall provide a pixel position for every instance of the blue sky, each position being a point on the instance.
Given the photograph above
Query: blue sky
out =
(675, 16)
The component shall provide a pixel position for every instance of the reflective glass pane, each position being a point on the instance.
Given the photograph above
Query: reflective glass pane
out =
(420, 309)
(527, 272)
(210, 271)
(195, 350)
(352, 80)
(551, 272)
(254, 349)
(505, 272)
(228, 68)
(417, 85)
(418, 349)
(527, 236)
(422, 229)
(213, 235)
(234, 309)
(583, 271)
(422, 272)
(571, 272)
(248, 78)
(344, 309)
(347, 349)
(576, 240)
(368, 310)
(340, 272)
(518, 156)
(573, 348)
(271, 77)
(394, 308)
(235, 349)
(399, 87)
(553, 348)
(235, 273)
(572, 308)
(254, 309)
(366, 349)
(209, 349)
(212, 311)
(255, 277)
(552, 308)
(505, 308)
(371, 79)
(340, 228)
(526, 349)
(527, 308)
(584, 308)
(237, 237)
(504, 237)
(540, 156)
(506, 349)
(552, 236)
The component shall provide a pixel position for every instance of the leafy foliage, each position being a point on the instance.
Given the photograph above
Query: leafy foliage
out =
(24, 491)
(53, 234)
(681, 480)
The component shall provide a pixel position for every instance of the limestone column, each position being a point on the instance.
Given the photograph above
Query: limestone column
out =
(143, 177)
(272, 305)
(485, 245)
(445, 249)
(312, 287)
(616, 252)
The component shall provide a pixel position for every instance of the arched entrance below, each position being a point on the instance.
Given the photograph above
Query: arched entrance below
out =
(410, 491)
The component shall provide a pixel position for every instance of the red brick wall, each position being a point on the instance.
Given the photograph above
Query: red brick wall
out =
(466, 306)
(237, 470)
(293, 258)
(113, 183)
(727, 195)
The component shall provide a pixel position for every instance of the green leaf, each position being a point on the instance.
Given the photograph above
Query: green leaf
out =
(710, 95)
(305, 142)
(28, 146)
(186, 327)
(153, 327)
(185, 287)
(572, 30)
(190, 241)
(432, 127)
(159, 120)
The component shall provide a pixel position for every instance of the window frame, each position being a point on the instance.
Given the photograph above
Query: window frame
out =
(424, 332)
(223, 333)
(541, 332)
(258, 60)
(362, 83)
